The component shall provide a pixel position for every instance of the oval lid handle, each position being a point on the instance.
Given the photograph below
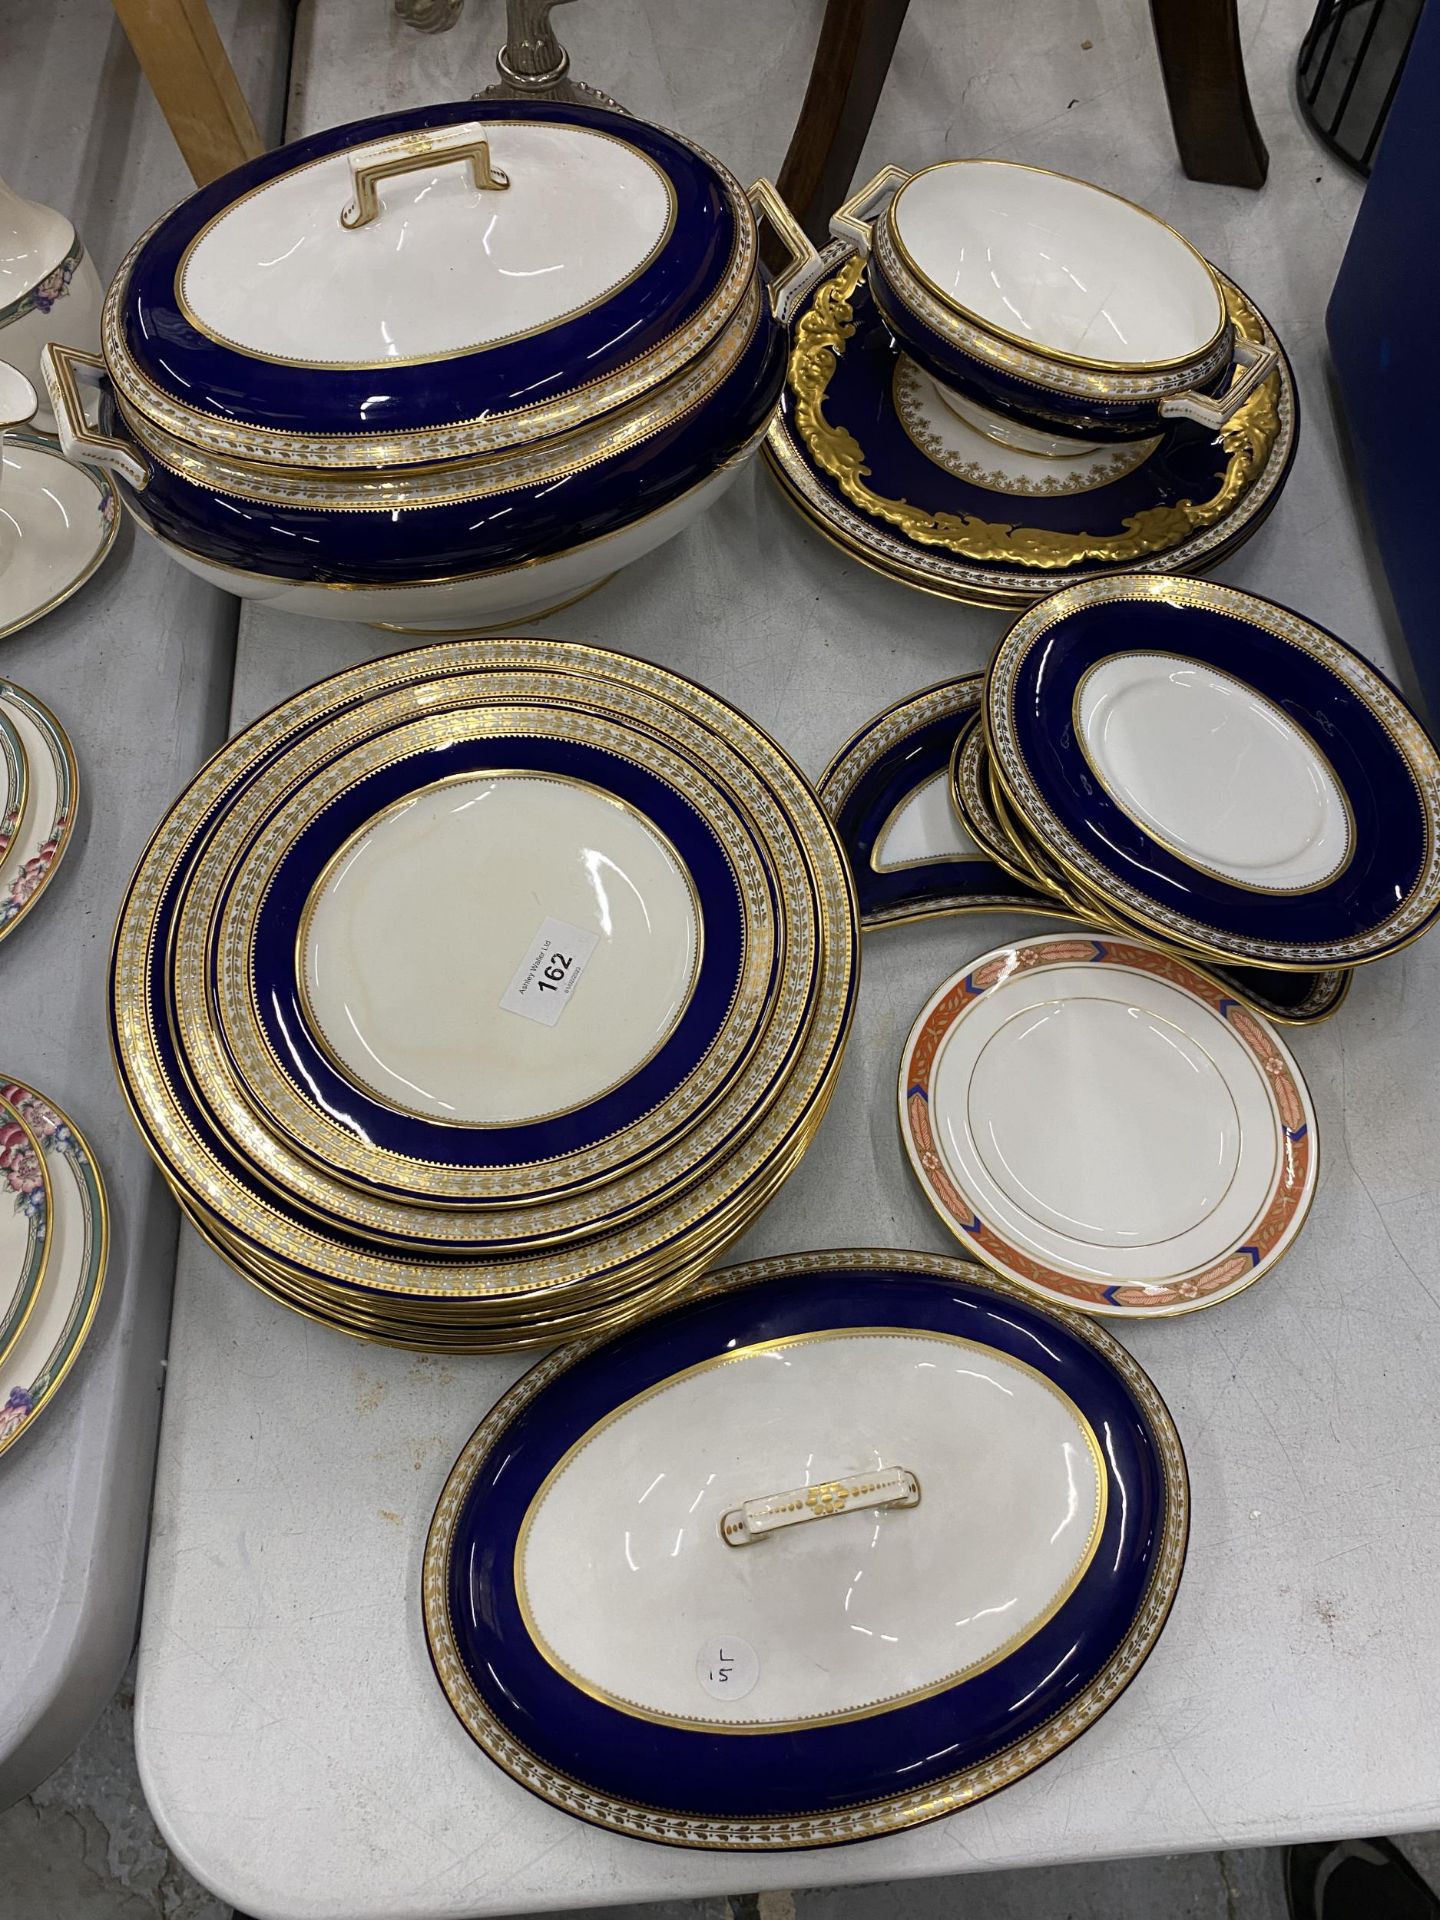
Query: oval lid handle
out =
(752, 1520)
(435, 147)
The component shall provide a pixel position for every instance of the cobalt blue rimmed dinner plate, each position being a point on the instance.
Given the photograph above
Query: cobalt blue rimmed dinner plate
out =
(457, 757)
(864, 445)
(384, 1113)
(418, 974)
(847, 1541)
(1220, 770)
(916, 856)
(888, 792)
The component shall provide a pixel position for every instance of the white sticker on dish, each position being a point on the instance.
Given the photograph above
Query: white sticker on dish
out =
(543, 982)
(727, 1669)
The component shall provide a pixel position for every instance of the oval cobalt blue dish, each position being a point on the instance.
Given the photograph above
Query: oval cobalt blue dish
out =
(1221, 770)
(853, 1539)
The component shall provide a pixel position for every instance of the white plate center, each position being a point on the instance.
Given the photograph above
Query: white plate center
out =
(415, 934)
(1099, 1119)
(1214, 770)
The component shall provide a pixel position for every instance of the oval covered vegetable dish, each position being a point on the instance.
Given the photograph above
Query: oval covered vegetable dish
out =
(441, 366)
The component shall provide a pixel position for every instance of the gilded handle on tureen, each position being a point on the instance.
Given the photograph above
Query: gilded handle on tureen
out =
(1258, 361)
(65, 370)
(855, 221)
(752, 1520)
(765, 203)
(366, 175)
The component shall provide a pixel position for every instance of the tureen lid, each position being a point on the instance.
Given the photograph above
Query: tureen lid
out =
(499, 270)
(904, 1531)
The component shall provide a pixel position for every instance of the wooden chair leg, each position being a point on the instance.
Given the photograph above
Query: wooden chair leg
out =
(183, 58)
(852, 58)
(1204, 68)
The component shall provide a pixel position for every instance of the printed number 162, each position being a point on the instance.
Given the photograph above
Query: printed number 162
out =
(554, 974)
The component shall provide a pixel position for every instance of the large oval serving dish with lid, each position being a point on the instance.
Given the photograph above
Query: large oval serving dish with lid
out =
(459, 362)
(847, 1541)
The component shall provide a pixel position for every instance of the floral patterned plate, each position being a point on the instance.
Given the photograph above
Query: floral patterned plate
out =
(79, 1237)
(25, 1209)
(1108, 1126)
(27, 868)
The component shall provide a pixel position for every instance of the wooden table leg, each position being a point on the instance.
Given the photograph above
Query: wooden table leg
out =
(1204, 68)
(184, 60)
(852, 58)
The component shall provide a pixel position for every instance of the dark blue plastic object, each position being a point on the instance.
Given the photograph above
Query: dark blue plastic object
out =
(1381, 323)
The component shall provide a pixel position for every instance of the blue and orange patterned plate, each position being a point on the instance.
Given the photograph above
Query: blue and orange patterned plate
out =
(1107, 1126)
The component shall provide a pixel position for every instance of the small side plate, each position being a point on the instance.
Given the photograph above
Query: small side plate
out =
(1107, 1126)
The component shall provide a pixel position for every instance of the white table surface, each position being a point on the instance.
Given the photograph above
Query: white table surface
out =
(294, 1745)
(137, 666)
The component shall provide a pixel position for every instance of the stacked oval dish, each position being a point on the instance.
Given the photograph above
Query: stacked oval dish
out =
(478, 996)
(440, 367)
(1200, 765)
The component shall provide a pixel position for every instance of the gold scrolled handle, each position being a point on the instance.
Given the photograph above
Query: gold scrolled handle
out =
(434, 149)
(765, 203)
(1217, 411)
(752, 1520)
(64, 370)
(855, 220)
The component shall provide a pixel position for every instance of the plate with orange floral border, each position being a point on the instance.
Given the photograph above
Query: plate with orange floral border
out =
(1107, 1125)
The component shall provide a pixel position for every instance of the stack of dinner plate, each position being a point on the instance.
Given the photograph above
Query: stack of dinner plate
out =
(1193, 764)
(477, 997)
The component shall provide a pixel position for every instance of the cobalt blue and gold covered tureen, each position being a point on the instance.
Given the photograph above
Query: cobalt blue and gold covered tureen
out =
(439, 367)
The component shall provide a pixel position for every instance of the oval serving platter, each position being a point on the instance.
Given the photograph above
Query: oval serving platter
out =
(345, 1262)
(798, 1564)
